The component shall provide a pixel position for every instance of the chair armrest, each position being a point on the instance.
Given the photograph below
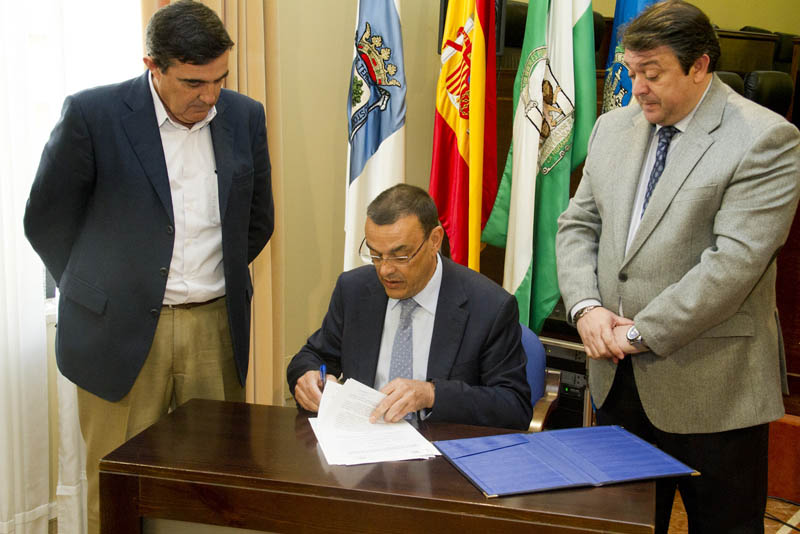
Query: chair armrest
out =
(545, 405)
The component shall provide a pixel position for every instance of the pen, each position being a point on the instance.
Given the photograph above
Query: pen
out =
(322, 373)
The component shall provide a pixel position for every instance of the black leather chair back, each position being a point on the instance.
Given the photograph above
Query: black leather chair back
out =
(770, 88)
(516, 15)
(783, 52)
(733, 80)
(753, 29)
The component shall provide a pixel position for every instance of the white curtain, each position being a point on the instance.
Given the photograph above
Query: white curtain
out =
(24, 467)
(24, 480)
(48, 49)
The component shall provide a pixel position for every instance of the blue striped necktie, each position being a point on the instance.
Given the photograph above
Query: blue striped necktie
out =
(664, 137)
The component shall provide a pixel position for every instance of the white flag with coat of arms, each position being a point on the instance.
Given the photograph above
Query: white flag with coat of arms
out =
(376, 111)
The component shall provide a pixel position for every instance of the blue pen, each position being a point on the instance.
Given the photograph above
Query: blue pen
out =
(322, 374)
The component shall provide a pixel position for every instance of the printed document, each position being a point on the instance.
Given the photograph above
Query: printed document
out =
(346, 436)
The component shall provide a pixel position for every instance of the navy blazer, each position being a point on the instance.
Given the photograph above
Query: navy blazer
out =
(476, 360)
(100, 216)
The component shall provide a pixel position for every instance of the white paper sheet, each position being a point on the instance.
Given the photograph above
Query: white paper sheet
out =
(346, 436)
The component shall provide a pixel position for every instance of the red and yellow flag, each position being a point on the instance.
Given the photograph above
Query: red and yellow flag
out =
(464, 166)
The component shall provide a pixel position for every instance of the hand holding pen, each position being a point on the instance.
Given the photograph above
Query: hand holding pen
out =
(309, 387)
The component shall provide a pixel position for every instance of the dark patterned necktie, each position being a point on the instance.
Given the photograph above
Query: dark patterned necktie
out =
(664, 137)
(401, 365)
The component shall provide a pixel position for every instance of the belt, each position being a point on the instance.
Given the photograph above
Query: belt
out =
(190, 305)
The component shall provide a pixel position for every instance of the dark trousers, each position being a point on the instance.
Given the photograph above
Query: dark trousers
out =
(729, 496)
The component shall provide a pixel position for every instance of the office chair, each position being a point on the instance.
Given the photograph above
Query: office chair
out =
(732, 79)
(754, 29)
(599, 35)
(770, 88)
(783, 52)
(545, 383)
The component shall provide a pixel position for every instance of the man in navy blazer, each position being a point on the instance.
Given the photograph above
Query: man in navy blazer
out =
(468, 362)
(151, 198)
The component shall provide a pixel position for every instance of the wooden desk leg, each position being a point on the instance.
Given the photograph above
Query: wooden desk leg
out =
(119, 504)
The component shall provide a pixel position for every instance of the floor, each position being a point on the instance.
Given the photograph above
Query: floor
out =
(781, 510)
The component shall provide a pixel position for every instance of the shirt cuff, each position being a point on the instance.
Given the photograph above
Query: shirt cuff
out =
(580, 305)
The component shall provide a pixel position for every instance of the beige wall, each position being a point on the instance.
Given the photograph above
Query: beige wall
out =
(312, 45)
(774, 15)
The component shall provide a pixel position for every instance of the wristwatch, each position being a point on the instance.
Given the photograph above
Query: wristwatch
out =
(634, 337)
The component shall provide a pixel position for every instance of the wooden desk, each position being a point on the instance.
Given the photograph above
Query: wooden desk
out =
(258, 467)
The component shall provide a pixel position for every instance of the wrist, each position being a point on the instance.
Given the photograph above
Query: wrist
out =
(582, 312)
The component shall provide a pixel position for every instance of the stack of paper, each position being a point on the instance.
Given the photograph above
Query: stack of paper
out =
(346, 436)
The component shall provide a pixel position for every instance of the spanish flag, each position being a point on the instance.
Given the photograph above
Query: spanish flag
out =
(464, 167)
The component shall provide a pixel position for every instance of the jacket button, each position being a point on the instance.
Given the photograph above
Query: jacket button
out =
(154, 312)
(170, 229)
(164, 271)
(623, 277)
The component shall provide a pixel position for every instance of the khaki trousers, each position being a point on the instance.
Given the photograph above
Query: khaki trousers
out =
(191, 357)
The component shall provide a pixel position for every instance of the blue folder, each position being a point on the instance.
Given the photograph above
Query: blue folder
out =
(509, 464)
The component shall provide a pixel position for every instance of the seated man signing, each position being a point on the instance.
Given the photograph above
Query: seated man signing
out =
(430, 334)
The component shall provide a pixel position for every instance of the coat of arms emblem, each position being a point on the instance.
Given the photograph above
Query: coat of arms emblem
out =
(617, 87)
(372, 74)
(547, 107)
(459, 76)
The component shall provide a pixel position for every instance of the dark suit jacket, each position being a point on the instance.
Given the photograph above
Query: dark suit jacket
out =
(476, 359)
(100, 216)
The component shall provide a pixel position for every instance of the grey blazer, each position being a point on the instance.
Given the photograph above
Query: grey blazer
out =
(699, 278)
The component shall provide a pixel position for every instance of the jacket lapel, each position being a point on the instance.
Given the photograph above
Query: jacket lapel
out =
(222, 139)
(694, 142)
(627, 174)
(142, 130)
(371, 316)
(449, 324)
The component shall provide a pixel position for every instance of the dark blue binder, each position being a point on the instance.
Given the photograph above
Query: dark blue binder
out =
(508, 464)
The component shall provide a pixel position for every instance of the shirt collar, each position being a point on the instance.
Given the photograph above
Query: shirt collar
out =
(429, 296)
(682, 124)
(162, 116)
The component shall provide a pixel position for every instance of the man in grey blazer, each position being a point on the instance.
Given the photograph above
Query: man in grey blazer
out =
(666, 261)
(466, 363)
(151, 199)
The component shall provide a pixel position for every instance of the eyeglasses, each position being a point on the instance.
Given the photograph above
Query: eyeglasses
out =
(366, 257)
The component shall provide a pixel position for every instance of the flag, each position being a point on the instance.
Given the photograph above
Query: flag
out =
(464, 164)
(554, 111)
(617, 86)
(376, 110)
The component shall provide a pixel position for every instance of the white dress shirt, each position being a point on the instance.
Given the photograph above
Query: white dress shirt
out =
(196, 271)
(422, 325)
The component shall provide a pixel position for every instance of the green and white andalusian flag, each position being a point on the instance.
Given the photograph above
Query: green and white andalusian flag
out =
(554, 111)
